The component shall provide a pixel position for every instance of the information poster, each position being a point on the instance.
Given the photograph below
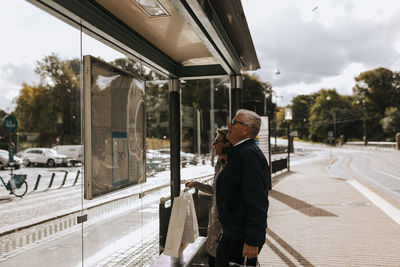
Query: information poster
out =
(114, 128)
(263, 138)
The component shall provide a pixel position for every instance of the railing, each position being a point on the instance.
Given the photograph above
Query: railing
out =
(279, 165)
(391, 145)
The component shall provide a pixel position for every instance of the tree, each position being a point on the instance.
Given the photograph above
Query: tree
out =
(379, 89)
(195, 95)
(52, 107)
(333, 112)
(257, 95)
(391, 122)
(301, 107)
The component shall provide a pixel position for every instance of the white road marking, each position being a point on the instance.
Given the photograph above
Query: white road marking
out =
(382, 204)
(387, 174)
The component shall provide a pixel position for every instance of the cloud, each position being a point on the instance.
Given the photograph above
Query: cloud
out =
(310, 47)
(11, 78)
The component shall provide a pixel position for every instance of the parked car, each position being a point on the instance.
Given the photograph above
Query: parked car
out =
(165, 154)
(4, 160)
(74, 153)
(43, 156)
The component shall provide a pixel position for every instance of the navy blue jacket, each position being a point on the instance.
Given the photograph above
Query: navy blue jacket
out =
(242, 194)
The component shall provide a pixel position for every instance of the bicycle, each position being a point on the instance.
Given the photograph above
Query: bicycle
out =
(17, 184)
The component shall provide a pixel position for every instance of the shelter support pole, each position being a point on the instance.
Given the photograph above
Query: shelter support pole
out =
(175, 136)
(236, 93)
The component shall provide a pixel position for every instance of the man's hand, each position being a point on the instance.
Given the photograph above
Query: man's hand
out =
(250, 251)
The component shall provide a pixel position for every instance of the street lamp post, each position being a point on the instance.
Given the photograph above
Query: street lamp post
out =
(276, 117)
(288, 118)
(334, 127)
(364, 121)
(364, 125)
(334, 121)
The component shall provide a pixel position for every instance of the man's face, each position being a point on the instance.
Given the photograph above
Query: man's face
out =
(238, 130)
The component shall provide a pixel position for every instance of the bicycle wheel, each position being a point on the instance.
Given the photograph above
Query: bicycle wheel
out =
(20, 192)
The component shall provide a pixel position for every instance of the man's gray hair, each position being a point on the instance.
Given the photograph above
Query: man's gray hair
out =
(252, 120)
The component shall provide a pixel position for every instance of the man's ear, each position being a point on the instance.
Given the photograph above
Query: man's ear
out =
(248, 131)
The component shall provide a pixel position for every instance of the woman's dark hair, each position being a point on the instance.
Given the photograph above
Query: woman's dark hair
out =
(223, 132)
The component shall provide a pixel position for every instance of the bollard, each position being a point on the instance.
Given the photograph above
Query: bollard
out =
(291, 147)
(76, 178)
(398, 141)
(37, 182)
(341, 142)
(65, 178)
(51, 180)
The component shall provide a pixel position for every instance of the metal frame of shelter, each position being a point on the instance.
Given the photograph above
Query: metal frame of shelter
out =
(220, 25)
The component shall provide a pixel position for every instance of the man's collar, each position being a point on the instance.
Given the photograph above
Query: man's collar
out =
(241, 141)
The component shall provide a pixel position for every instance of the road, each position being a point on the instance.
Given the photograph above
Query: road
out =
(129, 232)
(380, 168)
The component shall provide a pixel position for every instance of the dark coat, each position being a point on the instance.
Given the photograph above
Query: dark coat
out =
(242, 194)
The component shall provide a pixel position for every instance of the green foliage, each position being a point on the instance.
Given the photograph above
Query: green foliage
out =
(391, 122)
(195, 95)
(333, 112)
(378, 90)
(52, 107)
(352, 116)
(301, 109)
(257, 95)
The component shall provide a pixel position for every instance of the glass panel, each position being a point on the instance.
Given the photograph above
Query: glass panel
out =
(40, 86)
(205, 107)
(122, 223)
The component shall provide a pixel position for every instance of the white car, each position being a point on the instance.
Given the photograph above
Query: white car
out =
(74, 153)
(46, 156)
(4, 160)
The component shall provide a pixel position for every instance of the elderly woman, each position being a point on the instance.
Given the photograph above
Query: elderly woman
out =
(214, 226)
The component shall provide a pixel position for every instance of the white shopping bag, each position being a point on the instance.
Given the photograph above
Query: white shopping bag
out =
(191, 229)
(183, 227)
(175, 227)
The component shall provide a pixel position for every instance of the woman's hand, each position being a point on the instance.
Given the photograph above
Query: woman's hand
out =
(191, 184)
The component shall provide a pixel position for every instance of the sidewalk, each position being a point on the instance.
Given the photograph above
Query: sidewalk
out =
(316, 219)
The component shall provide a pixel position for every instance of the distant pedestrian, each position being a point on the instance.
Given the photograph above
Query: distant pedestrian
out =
(242, 193)
(214, 226)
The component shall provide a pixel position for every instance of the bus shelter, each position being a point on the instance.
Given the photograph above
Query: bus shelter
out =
(178, 39)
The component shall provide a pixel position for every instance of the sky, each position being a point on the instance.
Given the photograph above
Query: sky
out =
(314, 44)
(28, 34)
(322, 44)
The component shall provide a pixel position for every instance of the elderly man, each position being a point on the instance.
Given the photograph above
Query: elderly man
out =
(242, 193)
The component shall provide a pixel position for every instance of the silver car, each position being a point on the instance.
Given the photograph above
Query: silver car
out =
(4, 160)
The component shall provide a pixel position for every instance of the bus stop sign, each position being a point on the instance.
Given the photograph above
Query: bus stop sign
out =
(10, 123)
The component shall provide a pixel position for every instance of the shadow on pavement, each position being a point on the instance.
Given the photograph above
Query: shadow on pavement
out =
(300, 205)
(294, 253)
